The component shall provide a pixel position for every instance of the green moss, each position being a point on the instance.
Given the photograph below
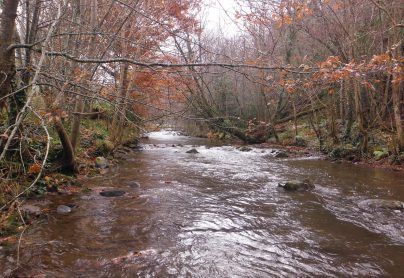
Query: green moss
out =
(103, 147)
(343, 151)
(380, 154)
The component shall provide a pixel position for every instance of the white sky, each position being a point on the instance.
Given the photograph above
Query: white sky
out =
(216, 18)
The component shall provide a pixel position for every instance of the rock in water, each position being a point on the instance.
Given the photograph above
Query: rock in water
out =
(244, 149)
(62, 209)
(281, 154)
(101, 162)
(134, 184)
(192, 151)
(112, 193)
(383, 204)
(295, 185)
(31, 209)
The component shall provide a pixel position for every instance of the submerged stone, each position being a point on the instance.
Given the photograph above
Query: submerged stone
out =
(134, 184)
(62, 209)
(296, 185)
(112, 193)
(31, 209)
(383, 204)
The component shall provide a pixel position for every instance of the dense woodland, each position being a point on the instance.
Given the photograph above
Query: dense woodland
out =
(78, 78)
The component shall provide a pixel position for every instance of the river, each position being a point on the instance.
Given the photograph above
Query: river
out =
(220, 213)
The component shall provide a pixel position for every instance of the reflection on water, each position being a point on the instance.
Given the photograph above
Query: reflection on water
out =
(219, 213)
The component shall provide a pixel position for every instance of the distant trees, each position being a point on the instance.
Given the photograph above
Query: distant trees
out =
(343, 61)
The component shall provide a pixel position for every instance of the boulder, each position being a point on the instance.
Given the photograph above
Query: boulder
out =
(62, 209)
(296, 185)
(192, 151)
(382, 204)
(244, 149)
(281, 154)
(101, 162)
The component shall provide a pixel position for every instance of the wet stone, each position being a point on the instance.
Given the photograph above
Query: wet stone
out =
(281, 154)
(134, 184)
(296, 185)
(112, 193)
(31, 209)
(244, 149)
(62, 209)
(101, 162)
(192, 151)
(382, 204)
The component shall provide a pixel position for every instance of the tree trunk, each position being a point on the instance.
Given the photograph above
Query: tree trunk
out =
(68, 161)
(349, 113)
(397, 114)
(342, 102)
(7, 60)
(359, 117)
(80, 101)
(119, 115)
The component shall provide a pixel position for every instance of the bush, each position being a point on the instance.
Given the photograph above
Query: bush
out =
(300, 141)
(380, 153)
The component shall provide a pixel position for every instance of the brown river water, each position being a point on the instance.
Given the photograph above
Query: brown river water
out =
(219, 213)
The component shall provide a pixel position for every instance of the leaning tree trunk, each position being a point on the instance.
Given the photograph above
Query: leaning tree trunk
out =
(68, 161)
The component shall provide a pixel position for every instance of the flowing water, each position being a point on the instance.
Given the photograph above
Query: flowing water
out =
(219, 213)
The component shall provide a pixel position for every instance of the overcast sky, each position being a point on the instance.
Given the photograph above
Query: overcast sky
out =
(216, 17)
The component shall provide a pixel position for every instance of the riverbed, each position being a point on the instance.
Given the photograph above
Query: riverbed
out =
(220, 213)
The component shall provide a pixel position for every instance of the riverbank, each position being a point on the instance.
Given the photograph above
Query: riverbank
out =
(380, 153)
(296, 151)
(96, 155)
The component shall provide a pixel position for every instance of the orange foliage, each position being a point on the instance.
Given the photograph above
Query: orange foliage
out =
(34, 168)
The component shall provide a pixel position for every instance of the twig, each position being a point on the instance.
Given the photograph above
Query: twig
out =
(19, 240)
